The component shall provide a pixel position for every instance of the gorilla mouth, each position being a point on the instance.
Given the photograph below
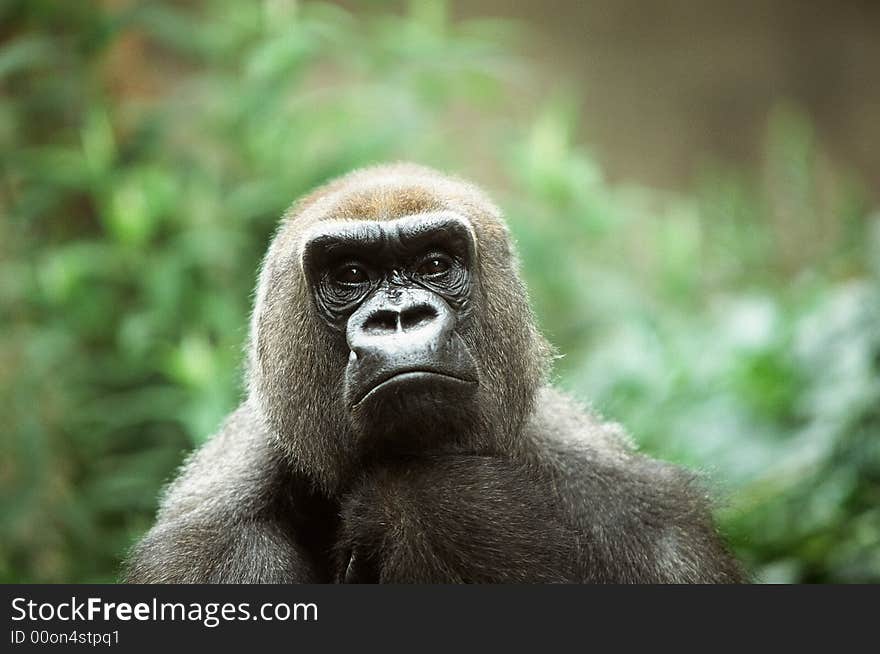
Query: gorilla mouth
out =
(403, 379)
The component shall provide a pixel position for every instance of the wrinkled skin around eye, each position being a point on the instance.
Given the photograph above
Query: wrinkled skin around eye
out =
(337, 300)
(452, 284)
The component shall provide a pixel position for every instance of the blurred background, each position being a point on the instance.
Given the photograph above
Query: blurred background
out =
(692, 186)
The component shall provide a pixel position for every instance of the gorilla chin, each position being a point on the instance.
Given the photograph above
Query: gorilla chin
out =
(422, 408)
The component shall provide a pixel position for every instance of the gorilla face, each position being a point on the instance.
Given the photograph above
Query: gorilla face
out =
(390, 318)
(399, 292)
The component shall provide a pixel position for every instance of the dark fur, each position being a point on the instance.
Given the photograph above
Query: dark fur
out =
(532, 488)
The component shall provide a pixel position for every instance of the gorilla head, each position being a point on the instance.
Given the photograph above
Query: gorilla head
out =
(398, 291)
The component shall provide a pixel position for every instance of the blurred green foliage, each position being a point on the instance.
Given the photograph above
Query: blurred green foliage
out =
(147, 150)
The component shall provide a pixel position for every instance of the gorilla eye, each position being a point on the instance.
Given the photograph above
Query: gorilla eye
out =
(350, 273)
(434, 265)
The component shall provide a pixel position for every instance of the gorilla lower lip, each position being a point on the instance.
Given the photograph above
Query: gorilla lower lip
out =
(410, 376)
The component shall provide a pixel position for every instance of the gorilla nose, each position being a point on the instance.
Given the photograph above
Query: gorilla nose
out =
(387, 321)
(394, 330)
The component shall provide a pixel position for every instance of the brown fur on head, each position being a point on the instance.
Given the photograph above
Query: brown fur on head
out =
(296, 364)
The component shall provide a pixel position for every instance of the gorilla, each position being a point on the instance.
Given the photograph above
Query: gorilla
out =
(398, 424)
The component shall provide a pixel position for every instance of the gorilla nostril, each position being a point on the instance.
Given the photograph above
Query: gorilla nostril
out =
(417, 316)
(381, 321)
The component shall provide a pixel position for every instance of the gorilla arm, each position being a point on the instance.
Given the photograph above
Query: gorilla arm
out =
(227, 518)
(580, 507)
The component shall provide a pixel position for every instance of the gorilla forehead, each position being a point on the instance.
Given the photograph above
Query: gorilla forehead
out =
(387, 199)
(394, 191)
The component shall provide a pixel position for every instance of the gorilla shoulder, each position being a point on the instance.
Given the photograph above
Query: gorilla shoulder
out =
(616, 495)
